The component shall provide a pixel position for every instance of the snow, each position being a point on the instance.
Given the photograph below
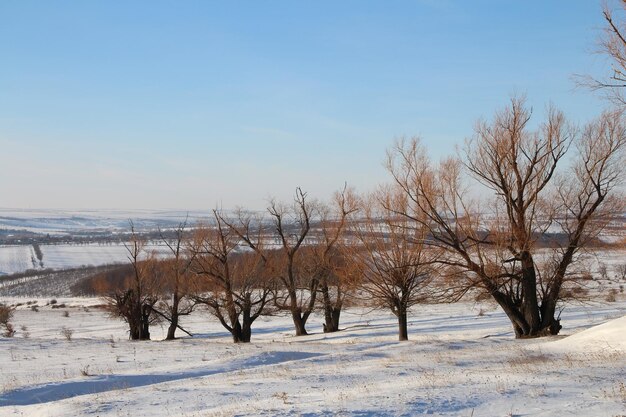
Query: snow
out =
(19, 258)
(60, 222)
(607, 336)
(457, 363)
(16, 258)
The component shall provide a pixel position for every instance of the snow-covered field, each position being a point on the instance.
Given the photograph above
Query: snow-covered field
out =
(69, 221)
(19, 258)
(458, 362)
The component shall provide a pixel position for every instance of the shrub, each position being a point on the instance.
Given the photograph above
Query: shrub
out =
(611, 296)
(6, 314)
(67, 333)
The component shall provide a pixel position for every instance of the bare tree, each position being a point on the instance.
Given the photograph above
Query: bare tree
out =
(612, 43)
(135, 301)
(497, 246)
(236, 283)
(328, 254)
(176, 301)
(394, 262)
(296, 275)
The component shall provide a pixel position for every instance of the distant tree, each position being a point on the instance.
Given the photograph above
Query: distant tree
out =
(234, 282)
(134, 302)
(327, 254)
(395, 264)
(495, 246)
(176, 287)
(296, 274)
(297, 281)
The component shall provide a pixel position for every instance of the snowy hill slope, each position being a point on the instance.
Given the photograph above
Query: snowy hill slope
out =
(610, 335)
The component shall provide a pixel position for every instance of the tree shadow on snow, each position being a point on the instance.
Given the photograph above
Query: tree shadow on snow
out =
(102, 383)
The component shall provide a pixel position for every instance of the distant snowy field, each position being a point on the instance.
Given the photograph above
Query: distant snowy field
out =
(66, 221)
(19, 258)
(457, 363)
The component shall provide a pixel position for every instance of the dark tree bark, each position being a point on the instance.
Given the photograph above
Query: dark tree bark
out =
(171, 330)
(332, 313)
(403, 333)
(299, 322)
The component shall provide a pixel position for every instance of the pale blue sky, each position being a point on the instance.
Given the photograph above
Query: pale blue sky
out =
(189, 104)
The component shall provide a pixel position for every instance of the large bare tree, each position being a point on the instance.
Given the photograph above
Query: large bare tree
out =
(495, 247)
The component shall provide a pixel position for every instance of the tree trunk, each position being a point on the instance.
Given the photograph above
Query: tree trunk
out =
(331, 316)
(242, 332)
(246, 331)
(145, 322)
(134, 330)
(236, 332)
(518, 322)
(299, 322)
(550, 325)
(171, 331)
(331, 313)
(403, 333)
(530, 305)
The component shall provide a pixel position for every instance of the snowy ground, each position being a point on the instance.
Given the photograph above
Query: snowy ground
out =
(71, 221)
(458, 362)
(19, 258)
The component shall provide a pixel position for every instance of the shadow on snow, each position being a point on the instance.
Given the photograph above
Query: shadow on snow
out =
(102, 383)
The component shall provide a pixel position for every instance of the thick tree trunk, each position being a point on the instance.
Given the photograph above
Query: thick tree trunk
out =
(134, 331)
(145, 322)
(331, 312)
(530, 305)
(246, 332)
(299, 322)
(331, 319)
(550, 325)
(236, 332)
(403, 333)
(171, 330)
(242, 332)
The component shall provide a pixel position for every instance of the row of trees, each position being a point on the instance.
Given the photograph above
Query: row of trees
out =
(507, 218)
(434, 217)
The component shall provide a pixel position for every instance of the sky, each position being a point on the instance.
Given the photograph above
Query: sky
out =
(204, 104)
